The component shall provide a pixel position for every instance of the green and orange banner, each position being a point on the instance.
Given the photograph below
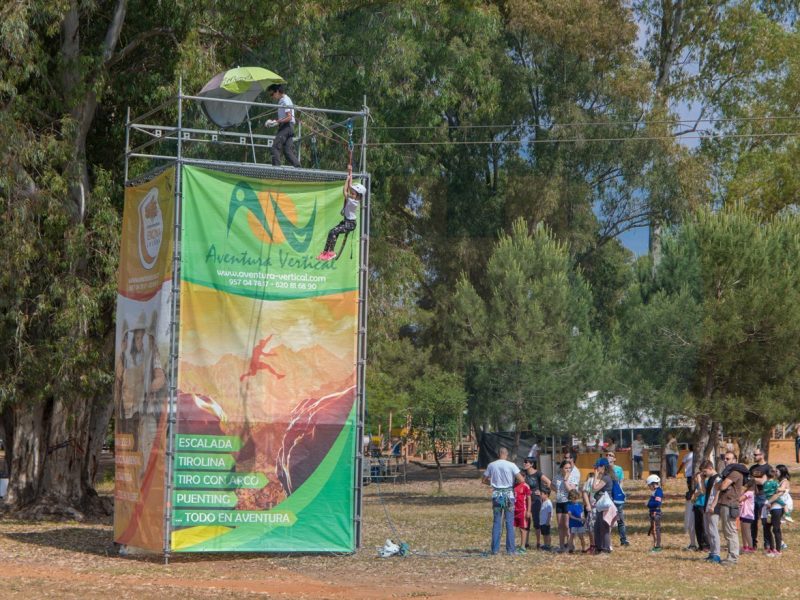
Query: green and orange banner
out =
(265, 432)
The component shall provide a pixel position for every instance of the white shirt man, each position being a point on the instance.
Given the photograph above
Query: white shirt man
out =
(501, 475)
(283, 142)
(286, 109)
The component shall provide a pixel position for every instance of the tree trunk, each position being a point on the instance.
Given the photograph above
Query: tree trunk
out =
(765, 437)
(746, 449)
(98, 426)
(701, 441)
(55, 457)
(8, 437)
(28, 450)
(438, 469)
(434, 437)
(713, 442)
(672, 14)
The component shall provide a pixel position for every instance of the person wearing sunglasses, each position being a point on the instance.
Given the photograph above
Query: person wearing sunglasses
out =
(730, 492)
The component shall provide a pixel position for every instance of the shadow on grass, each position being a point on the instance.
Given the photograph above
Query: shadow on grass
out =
(424, 499)
(99, 542)
(87, 540)
(644, 530)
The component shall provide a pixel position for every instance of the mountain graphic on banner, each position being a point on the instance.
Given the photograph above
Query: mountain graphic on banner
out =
(309, 372)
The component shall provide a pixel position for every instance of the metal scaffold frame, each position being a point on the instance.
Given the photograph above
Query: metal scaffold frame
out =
(180, 135)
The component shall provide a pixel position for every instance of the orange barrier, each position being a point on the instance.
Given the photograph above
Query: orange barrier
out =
(585, 462)
(781, 452)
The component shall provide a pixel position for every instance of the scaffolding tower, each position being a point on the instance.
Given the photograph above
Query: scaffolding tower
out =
(176, 133)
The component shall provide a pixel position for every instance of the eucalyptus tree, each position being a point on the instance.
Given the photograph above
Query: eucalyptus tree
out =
(59, 183)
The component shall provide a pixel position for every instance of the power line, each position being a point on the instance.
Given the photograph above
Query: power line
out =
(590, 139)
(599, 123)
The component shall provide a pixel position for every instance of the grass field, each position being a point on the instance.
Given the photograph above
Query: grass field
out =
(448, 534)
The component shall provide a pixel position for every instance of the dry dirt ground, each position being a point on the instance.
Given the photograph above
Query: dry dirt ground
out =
(448, 535)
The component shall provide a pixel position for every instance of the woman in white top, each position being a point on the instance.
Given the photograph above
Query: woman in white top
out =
(353, 195)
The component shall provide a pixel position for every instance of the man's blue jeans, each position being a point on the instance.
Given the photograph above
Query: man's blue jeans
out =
(502, 509)
(672, 465)
(623, 532)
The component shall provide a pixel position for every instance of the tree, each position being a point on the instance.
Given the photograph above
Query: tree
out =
(526, 346)
(714, 336)
(438, 401)
(60, 232)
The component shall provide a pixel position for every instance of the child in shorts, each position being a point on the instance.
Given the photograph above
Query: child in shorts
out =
(522, 513)
(576, 522)
(545, 516)
(654, 504)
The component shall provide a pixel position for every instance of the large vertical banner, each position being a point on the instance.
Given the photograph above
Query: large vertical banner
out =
(142, 351)
(264, 447)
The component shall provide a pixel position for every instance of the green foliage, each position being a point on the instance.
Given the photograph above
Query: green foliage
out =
(716, 335)
(527, 346)
(437, 405)
(462, 274)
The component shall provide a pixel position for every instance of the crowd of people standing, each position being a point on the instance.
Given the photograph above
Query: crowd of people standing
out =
(734, 502)
(719, 505)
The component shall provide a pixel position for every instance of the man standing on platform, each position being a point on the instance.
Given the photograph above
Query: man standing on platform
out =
(284, 139)
(501, 476)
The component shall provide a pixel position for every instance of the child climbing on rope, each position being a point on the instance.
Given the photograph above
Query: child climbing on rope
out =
(353, 194)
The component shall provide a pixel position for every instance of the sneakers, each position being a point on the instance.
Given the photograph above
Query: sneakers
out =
(728, 562)
(691, 547)
(625, 543)
(326, 256)
(656, 549)
(748, 550)
(546, 547)
(713, 558)
(773, 553)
